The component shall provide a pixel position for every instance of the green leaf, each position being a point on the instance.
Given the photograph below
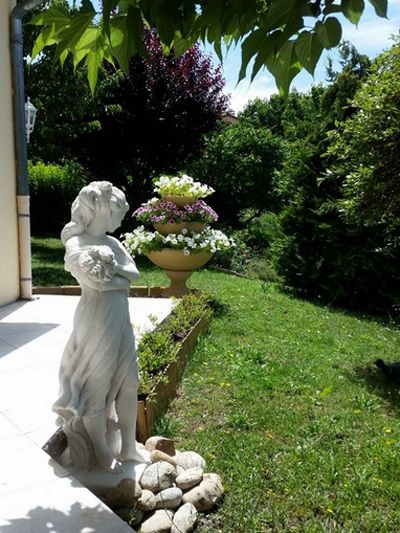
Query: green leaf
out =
(54, 15)
(46, 37)
(380, 6)
(284, 66)
(308, 50)
(218, 50)
(94, 59)
(326, 392)
(126, 34)
(107, 7)
(267, 48)
(353, 9)
(84, 45)
(250, 47)
(279, 12)
(71, 34)
(329, 32)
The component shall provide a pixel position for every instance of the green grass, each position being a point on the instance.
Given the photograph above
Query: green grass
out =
(48, 266)
(282, 400)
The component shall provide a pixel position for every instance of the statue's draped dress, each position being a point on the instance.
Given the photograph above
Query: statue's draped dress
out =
(100, 353)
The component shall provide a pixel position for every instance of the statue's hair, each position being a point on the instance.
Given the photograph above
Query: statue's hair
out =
(92, 199)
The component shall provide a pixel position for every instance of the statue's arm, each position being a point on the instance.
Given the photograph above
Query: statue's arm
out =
(116, 283)
(85, 278)
(129, 271)
(128, 268)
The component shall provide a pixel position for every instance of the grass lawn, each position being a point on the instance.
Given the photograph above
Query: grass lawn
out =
(281, 399)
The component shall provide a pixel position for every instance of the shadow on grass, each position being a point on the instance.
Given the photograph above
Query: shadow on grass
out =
(385, 318)
(376, 383)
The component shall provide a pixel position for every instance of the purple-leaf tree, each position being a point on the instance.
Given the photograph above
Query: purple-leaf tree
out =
(164, 108)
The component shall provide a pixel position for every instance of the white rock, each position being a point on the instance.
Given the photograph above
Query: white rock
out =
(179, 469)
(158, 476)
(189, 478)
(147, 501)
(159, 522)
(160, 443)
(184, 519)
(169, 498)
(190, 460)
(206, 495)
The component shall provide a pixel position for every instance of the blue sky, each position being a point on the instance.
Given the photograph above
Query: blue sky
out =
(371, 37)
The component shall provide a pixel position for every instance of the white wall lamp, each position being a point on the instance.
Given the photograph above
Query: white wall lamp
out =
(30, 117)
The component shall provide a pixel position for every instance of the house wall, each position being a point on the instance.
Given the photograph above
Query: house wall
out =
(9, 258)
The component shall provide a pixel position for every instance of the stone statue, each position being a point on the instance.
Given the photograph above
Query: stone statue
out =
(99, 371)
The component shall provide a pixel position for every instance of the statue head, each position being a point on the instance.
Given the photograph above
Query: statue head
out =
(99, 198)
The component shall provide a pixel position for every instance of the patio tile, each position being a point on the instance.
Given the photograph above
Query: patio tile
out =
(59, 506)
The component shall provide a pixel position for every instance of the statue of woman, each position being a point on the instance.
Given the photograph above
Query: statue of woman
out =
(99, 371)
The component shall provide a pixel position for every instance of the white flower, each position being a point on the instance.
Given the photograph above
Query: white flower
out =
(186, 251)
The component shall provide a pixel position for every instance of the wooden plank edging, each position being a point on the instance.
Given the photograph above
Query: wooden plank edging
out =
(150, 409)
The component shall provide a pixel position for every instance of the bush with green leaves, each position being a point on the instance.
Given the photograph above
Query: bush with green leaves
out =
(324, 253)
(367, 147)
(52, 190)
(240, 162)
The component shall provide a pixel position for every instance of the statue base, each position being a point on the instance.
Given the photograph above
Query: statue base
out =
(99, 481)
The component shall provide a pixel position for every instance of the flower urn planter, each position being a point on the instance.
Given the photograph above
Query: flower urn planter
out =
(179, 201)
(178, 267)
(176, 228)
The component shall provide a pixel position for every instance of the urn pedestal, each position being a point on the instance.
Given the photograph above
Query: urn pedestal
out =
(178, 267)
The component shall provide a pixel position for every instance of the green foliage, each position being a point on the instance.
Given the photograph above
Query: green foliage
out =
(290, 119)
(52, 190)
(367, 148)
(158, 348)
(273, 34)
(240, 162)
(323, 253)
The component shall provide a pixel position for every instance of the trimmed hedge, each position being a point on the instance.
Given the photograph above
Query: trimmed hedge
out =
(52, 190)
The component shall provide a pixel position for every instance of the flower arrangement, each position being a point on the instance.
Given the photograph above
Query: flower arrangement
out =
(141, 241)
(163, 212)
(182, 185)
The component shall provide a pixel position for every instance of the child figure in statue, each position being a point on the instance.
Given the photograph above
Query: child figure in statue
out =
(99, 372)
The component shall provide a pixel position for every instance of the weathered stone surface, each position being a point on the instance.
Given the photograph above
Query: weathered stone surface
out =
(185, 519)
(179, 470)
(206, 495)
(147, 501)
(125, 494)
(159, 522)
(190, 460)
(160, 443)
(189, 478)
(169, 498)
(158, 455)
(158, 476)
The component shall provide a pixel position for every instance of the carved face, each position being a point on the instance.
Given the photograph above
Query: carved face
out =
(115, 219)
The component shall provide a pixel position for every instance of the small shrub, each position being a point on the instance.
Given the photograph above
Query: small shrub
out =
(53, 189)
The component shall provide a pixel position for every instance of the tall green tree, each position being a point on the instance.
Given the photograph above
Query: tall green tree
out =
(240, 161)
(366, 147)
(325, 254)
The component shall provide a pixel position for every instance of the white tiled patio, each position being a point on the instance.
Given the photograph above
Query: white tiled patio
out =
(36, 494)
